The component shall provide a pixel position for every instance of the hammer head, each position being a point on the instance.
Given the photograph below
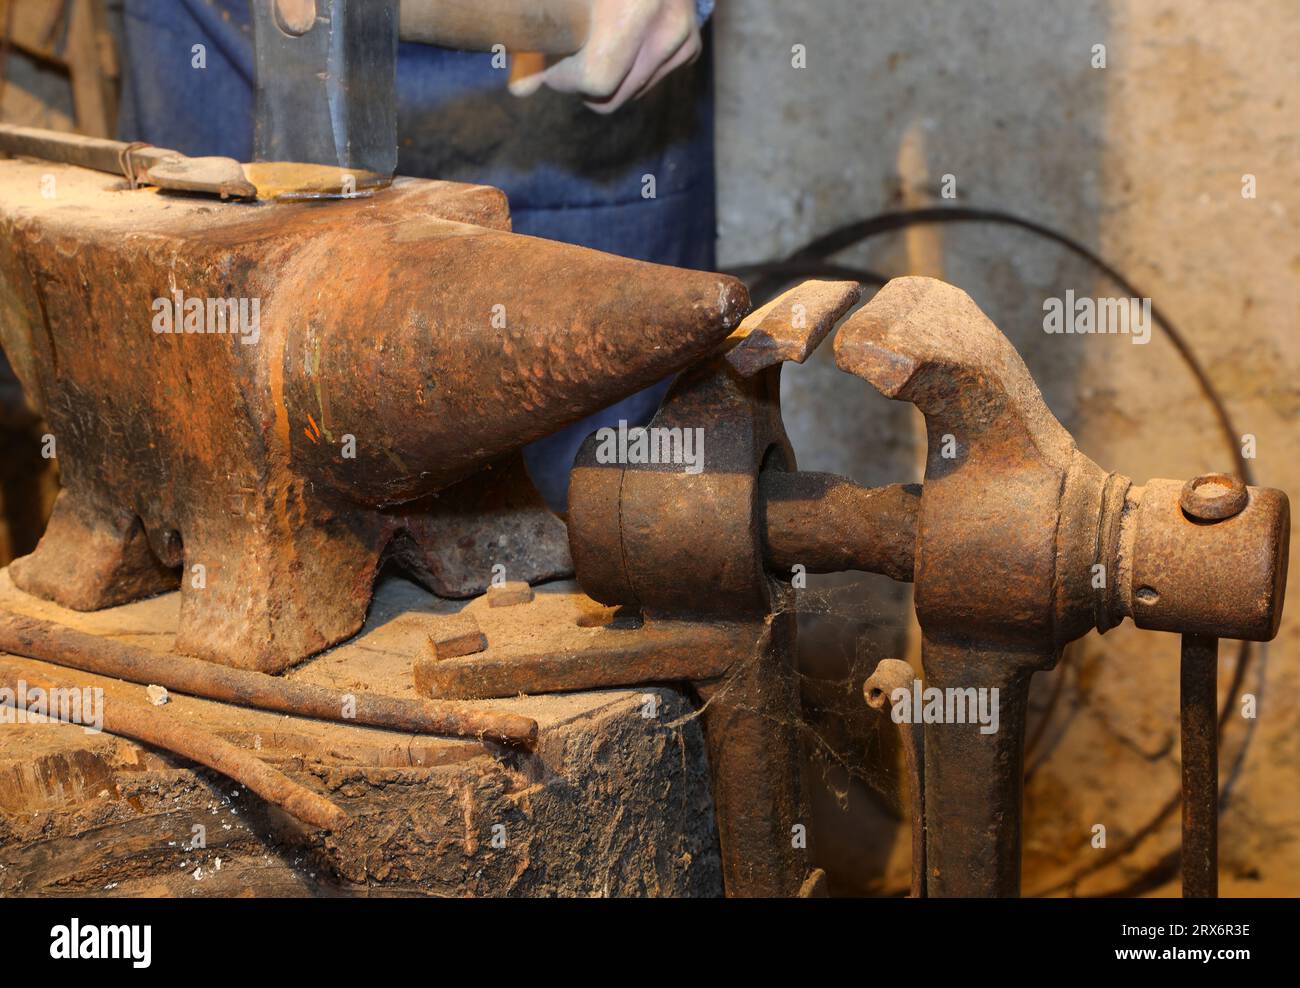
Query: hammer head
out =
(327, 88)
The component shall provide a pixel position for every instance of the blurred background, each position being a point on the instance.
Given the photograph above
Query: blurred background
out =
(1131, 127)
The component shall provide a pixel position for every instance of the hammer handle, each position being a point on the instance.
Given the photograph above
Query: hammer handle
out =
(554, 27)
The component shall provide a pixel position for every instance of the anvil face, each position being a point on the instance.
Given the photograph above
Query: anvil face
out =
(263, 401)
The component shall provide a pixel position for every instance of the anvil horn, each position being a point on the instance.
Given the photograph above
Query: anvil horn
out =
(478, 341)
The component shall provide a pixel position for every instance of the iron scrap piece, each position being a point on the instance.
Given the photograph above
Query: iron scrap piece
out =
(456, 637)
(141, 722)
(606, 657)
(509, 594)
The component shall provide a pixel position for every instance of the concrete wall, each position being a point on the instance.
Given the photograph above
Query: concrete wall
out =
(1143, 161)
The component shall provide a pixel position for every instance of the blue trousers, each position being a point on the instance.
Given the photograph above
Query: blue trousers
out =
(570, 174)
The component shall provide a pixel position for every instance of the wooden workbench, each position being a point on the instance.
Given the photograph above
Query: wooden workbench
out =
(612, 802)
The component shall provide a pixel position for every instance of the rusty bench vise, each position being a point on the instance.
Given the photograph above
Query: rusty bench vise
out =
(1017, 543)
(1024, 544)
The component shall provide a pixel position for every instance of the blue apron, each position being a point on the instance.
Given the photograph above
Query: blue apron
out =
(570, 174)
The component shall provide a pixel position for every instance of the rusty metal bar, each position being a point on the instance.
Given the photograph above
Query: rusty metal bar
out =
(96, 153)
(50, 642)
(892, 675)
(659, 652)
(1200, 756)
(153, 727)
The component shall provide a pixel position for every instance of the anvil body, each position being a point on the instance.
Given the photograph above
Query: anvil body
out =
(407, 345)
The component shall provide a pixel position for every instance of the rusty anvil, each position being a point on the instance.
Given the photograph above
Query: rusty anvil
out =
(367, 402)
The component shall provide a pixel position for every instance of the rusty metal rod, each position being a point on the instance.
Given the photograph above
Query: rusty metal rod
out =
(1199, 676)
(97, 153)
(879, 689)
(153, 727)
(50, 642)
(829, 524)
